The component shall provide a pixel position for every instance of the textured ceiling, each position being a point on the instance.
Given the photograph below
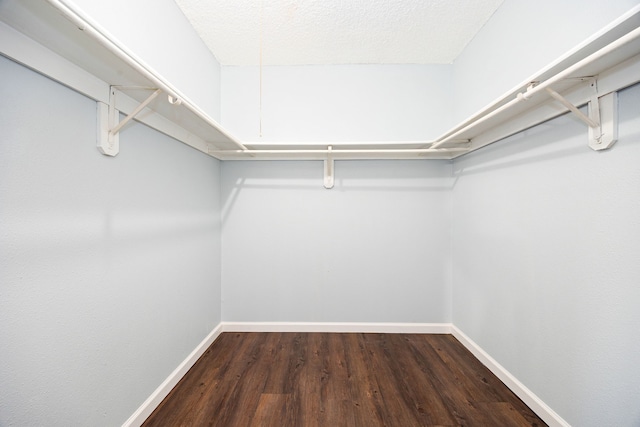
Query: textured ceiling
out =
(296, 32)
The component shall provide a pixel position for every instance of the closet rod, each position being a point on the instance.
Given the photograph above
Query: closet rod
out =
(346, 151)
(371, 144)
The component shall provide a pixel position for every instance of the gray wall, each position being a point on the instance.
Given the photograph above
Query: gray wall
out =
(110, 266)
(338, 102)
(546, 264)
(375, 248)
(546, 231)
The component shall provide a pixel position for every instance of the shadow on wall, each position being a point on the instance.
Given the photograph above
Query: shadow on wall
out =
(529, 146)
(351, 176)
(562, 137)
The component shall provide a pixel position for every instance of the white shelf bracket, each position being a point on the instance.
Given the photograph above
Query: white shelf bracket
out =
(602, 119)
(328, 169)
(109, 124)
(605, 108)
(108, 118)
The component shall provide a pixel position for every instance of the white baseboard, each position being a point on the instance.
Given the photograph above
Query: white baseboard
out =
(547, 414)
(152, 402)
(388, 328)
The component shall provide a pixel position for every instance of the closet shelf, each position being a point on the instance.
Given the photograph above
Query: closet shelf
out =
(606, 63)
(36, 32)
(58, 41)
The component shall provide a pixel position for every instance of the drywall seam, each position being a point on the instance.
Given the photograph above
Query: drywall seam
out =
(152, 402)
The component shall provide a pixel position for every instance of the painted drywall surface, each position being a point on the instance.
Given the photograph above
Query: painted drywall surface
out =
(337, 103)
(546, 246)
(158, 33)
(109, 267)
(520, 39)
(375, 248)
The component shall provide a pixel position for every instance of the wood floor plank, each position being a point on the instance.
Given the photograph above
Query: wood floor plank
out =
(249, 384)
(272, 411)
(312, 379)
(325, 379)
(419, 377)
(340, 384)
(178, 406)
(277, 352)
(393, 391)
(363, 388)
(484, 381)
(455, 391)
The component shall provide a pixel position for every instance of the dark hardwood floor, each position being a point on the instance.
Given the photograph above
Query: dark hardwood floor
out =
(326, 379)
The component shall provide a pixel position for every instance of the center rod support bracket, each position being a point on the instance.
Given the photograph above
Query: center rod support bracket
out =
(328, 169)
(109, 124)
(602, 118)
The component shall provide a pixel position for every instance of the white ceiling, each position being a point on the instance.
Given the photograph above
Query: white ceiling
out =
(298, 32)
